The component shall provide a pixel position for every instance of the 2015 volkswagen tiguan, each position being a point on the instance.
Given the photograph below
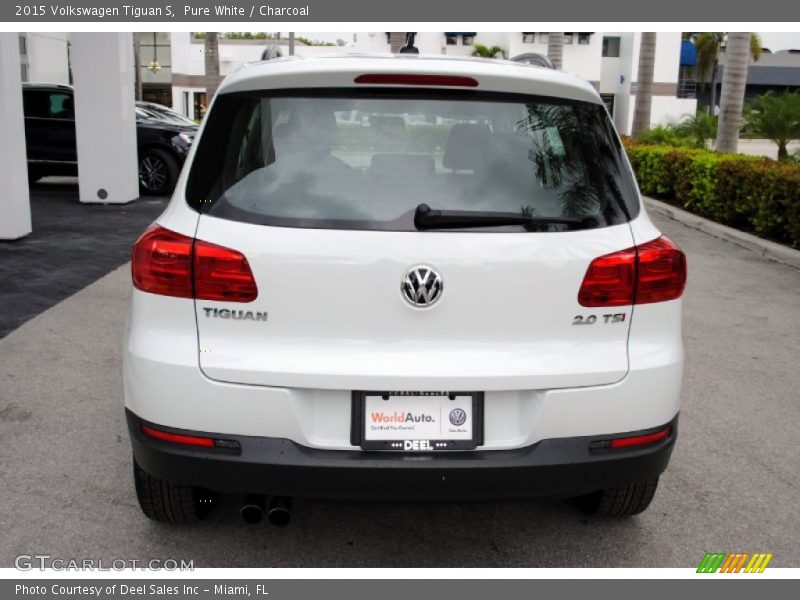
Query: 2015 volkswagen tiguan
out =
(403, 278)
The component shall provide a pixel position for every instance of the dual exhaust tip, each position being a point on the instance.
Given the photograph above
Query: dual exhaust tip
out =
(278, 509)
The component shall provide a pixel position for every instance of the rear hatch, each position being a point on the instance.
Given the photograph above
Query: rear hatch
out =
(319, 191)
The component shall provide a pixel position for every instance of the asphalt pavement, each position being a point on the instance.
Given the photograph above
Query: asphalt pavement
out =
(733, 484)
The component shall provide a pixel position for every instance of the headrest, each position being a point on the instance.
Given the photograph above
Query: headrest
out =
(402, 165)
(466, 146)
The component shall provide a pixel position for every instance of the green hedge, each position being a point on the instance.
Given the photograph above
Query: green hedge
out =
(750, 193)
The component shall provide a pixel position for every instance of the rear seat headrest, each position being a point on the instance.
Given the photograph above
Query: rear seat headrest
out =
(466, 146)
(406, 165)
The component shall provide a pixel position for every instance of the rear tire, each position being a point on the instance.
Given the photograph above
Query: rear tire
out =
(161, 500)
(158, 172)
(620, 501)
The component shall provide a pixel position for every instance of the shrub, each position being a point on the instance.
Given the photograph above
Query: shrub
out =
(747, 192)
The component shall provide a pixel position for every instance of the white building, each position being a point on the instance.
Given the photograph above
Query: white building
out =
(607, 60)
(44, 57)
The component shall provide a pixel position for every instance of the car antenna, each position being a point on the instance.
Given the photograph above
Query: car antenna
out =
(410, 48)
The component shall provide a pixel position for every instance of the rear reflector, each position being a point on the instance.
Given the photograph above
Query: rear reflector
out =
(419, 79)
(172, 264)
(641, 440)
(652, 272)
(177, 438)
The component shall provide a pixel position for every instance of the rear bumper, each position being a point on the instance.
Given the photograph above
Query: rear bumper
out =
(559, 467)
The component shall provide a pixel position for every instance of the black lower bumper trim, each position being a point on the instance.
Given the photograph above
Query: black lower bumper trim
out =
(559, 467)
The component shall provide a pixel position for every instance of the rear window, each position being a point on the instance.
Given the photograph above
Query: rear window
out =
(366, 160)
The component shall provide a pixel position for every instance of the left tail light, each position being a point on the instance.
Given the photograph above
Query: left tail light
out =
(171, 264)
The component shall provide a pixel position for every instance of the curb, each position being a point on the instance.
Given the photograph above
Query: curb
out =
(765, 248)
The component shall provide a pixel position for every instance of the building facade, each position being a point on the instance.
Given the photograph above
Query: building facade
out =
(609, 61)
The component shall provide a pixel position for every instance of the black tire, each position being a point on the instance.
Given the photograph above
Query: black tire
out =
(158, 172)
(168, 502)
(621, 501)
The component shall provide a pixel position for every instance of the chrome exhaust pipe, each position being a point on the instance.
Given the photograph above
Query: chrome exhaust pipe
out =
(279, 511)
(252, 510)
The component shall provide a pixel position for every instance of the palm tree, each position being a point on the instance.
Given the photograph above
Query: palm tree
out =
(397, 40)
(213, 79)
(775, 117)
(555, 49)
(644, 83)
(137, 66)
(488, 52)
(709, 44)
(731, 98)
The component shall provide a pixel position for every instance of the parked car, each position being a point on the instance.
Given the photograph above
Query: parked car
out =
(153, 110)
(162, 143)
(476, 306)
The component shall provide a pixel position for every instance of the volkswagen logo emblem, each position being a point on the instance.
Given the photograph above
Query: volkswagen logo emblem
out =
(421, 286)
(458, 416)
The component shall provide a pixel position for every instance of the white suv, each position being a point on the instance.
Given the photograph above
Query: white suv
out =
(405, 278)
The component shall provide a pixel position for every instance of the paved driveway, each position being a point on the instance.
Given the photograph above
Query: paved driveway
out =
(733, 484)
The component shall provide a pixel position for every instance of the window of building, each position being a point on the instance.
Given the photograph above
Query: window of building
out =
(199, 105)
(62, 106)
(528, 37)
(611, 46)
(583, 39)
(23, 44)
(23, 72)
(186, 104)
(451, 40)
(468, 40)
(569, 38)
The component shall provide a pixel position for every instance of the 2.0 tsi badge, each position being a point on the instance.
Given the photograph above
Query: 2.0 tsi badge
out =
(421, 286)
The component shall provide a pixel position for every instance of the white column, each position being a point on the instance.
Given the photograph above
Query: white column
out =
(105, 119)
(15, 204)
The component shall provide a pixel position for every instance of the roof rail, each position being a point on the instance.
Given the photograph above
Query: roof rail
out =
(271, 51)
(533, 58)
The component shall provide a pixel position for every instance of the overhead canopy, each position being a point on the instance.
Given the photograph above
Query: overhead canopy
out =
(473, 33)
(688, 54)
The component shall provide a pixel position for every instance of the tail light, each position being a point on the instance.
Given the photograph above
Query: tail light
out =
(652, 272)
(172, 264)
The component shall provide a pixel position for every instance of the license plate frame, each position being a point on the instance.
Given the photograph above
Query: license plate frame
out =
(358, 433)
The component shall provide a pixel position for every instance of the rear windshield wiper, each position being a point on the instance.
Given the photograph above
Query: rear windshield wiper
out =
(427, 218)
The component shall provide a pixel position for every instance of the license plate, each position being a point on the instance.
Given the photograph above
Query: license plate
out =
(417, 421)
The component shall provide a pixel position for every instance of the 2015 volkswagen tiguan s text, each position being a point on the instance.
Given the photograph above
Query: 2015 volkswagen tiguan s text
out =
(403, 278)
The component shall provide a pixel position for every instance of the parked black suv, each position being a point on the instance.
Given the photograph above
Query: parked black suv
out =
(163, 143)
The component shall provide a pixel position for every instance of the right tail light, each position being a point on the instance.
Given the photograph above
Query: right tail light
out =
(652, 272)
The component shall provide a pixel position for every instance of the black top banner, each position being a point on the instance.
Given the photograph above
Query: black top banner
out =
(119, 11)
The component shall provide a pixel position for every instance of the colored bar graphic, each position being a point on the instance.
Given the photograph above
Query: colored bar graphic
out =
(758, 563)
(734, 562)
(711, 562)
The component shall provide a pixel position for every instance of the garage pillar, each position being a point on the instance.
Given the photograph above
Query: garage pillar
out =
(105, 119)
(15, 204)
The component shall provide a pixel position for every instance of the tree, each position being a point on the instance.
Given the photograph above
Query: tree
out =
(644, 83)
(775, 117)
(555, 49)
(709, 44)
(488, 52)
(397, 40)
(137, 66)
(213, 79)
(731, 98)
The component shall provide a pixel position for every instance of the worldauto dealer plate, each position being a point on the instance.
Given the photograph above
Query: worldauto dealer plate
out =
(417, 421)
